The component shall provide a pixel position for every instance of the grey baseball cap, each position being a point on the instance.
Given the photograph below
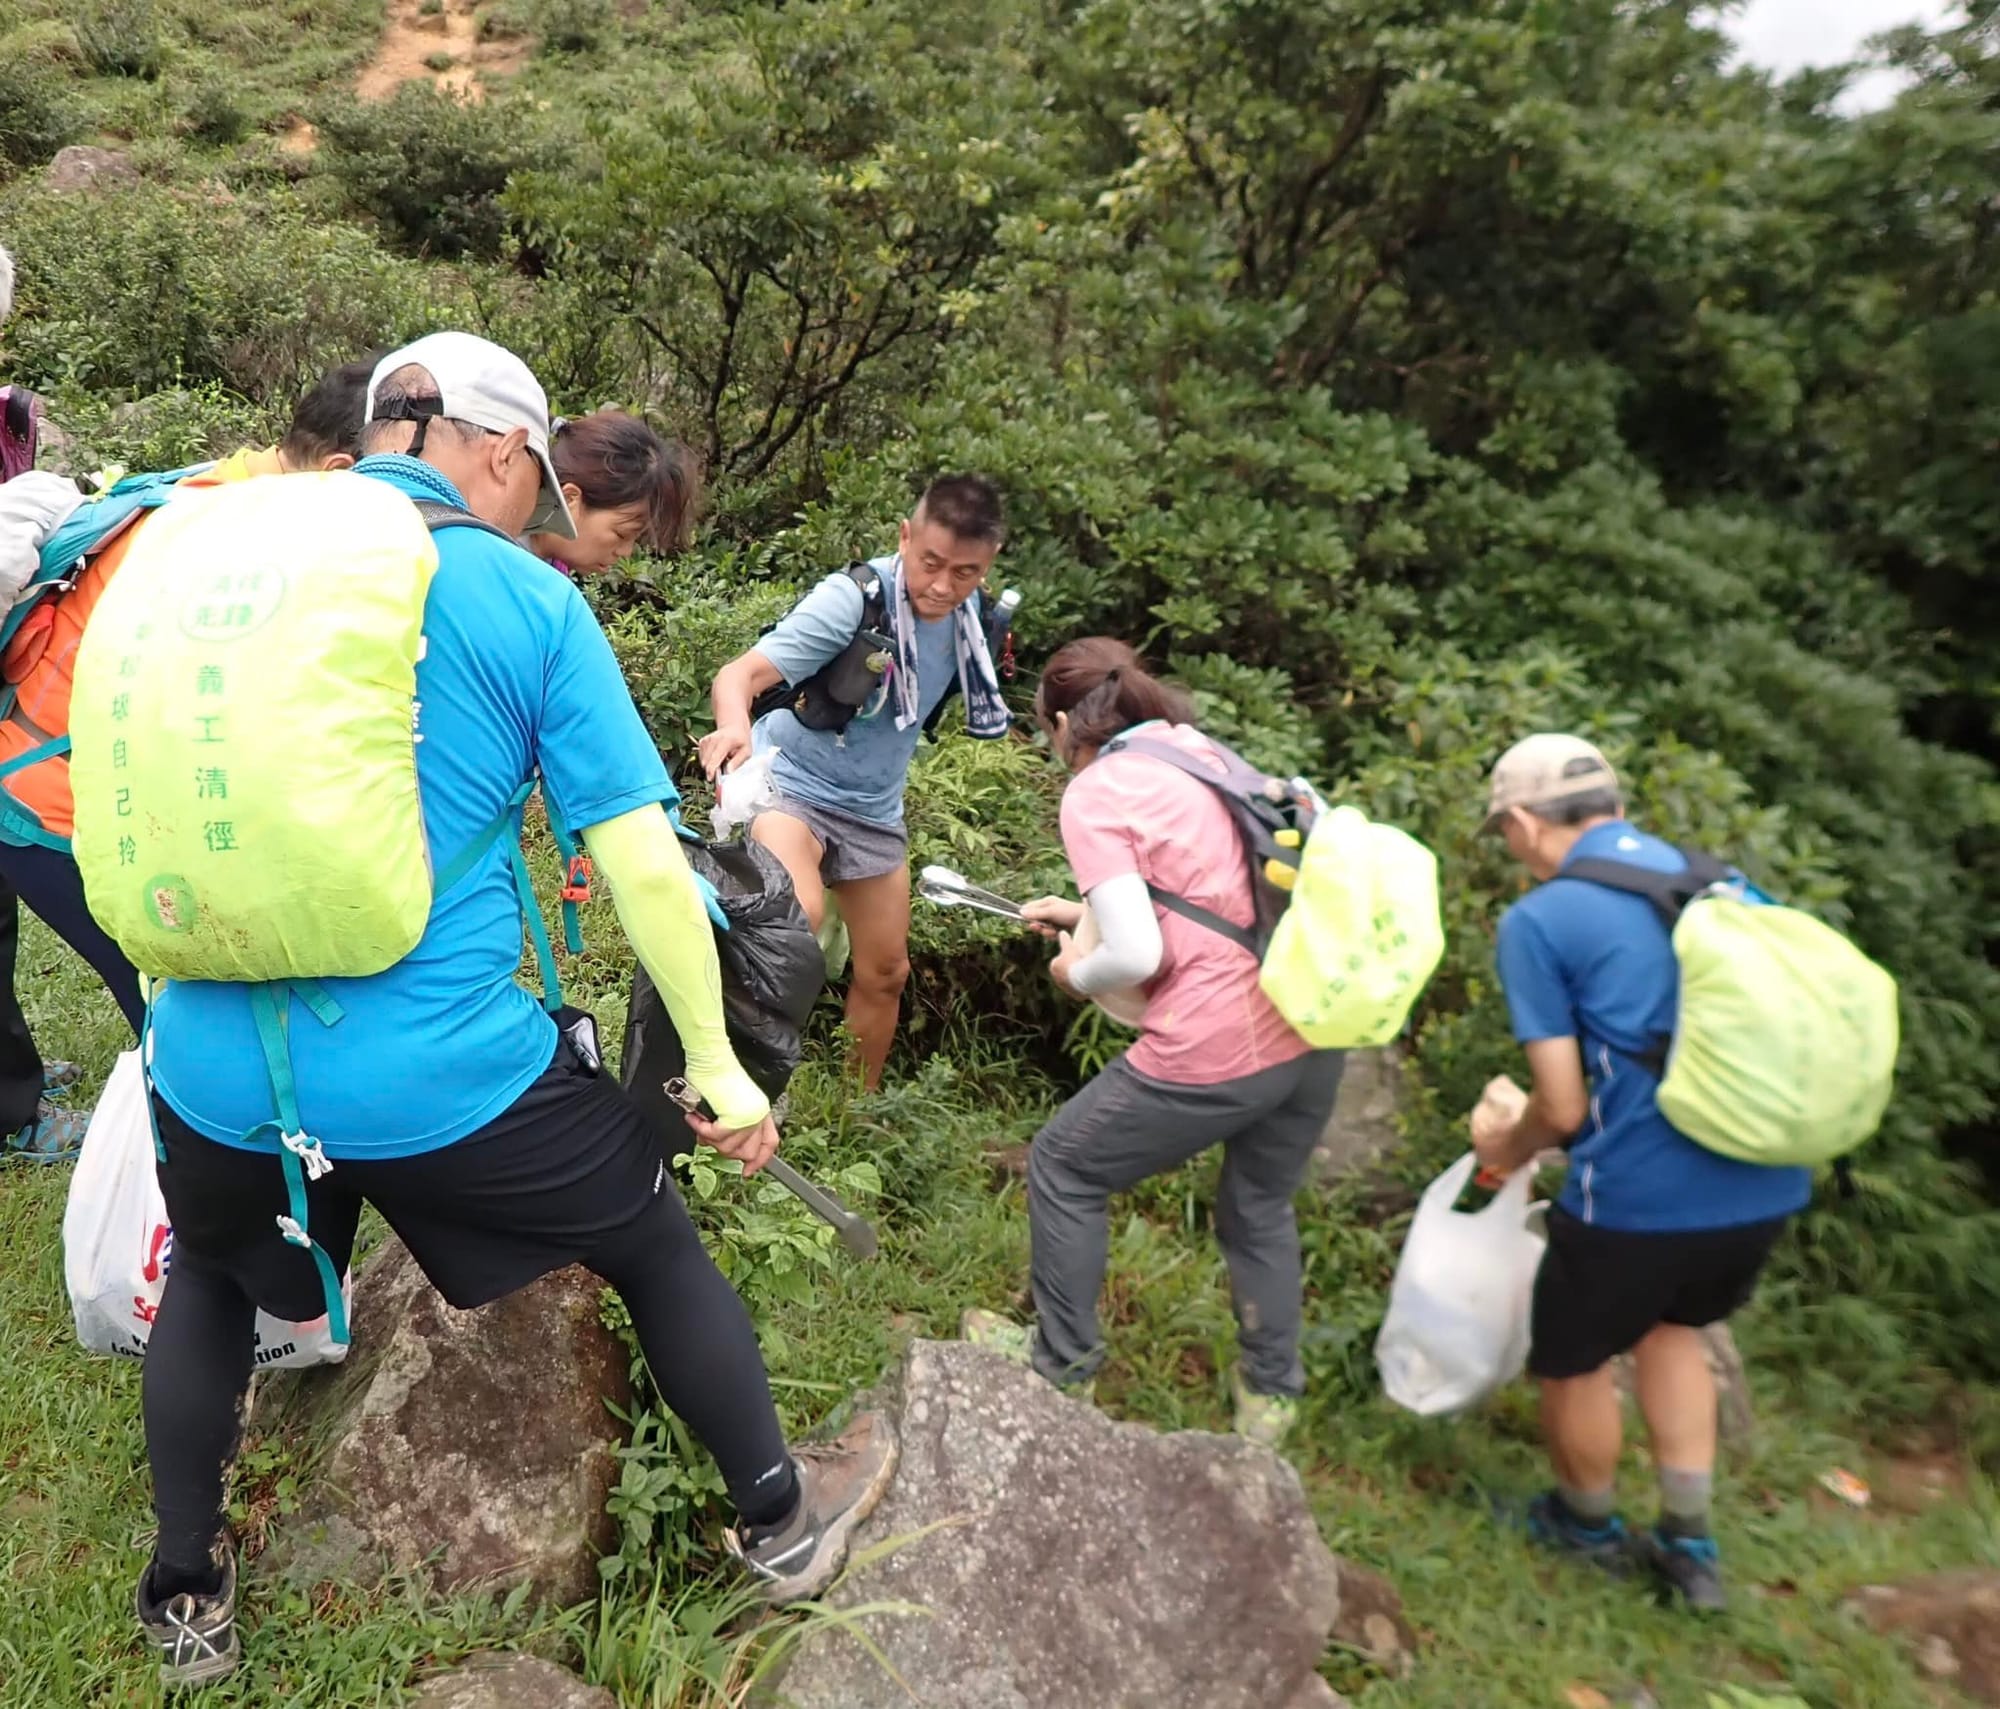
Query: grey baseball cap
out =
(1540, 771)
(486, 386)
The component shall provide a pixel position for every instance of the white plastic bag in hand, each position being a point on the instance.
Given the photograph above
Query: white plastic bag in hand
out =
(1457, 1327)
(117, 1246)
(743, 793)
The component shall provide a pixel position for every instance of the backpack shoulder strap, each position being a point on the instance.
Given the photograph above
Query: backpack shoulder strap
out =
(1669, 892)
(438, 516)
(874, 598)
(1238, 779)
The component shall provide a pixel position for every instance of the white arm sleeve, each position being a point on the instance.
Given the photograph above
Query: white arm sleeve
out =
(1129, 948)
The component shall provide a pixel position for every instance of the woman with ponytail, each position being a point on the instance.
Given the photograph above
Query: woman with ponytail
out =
(626, 486)
(1214, 1063)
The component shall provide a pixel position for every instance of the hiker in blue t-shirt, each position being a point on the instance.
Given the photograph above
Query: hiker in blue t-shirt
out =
(837, 817)
(1654, 1237)
(441, 1092)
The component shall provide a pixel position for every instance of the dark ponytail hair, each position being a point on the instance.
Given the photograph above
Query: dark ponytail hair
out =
(1105, 688)
(615, 460)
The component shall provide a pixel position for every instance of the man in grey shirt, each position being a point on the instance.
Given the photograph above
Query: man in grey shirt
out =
(838, 771)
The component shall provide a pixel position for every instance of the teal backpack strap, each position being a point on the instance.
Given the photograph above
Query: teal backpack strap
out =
(576, 887)
(18, 824)
(150, 989)
(538, 931)
(300, 1155)
(455, 869)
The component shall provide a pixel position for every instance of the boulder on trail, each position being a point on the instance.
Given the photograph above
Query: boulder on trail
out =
(1061, 1560)
(475, 1446)
(1362, 1129)
(1952, 1622)
(510, 1682)
(83, 167)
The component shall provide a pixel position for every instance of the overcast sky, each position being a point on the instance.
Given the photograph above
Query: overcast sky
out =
(1784, 35)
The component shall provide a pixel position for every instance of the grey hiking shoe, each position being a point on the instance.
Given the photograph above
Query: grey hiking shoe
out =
(1688, 1570)
(1266, 1419)
(195, 1635)
(840, 1483)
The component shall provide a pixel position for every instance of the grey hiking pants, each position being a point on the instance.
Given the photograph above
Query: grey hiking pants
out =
(1123, 1127)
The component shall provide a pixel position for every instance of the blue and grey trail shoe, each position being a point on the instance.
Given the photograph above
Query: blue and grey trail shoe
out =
(1608, 1547)
(195, 1635)
(54, 1136)
(1688, 1570)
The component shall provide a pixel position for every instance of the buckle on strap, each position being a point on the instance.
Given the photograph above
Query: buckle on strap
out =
(576, 884)
(293, 1233)
(307, 1150)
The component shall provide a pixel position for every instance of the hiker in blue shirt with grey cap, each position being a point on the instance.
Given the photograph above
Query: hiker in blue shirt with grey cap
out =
(843, 690)
(1654, 1236)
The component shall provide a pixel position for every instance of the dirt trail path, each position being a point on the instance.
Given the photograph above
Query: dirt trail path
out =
(412, 36)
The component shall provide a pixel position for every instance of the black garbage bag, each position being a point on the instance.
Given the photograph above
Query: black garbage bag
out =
(772, 972)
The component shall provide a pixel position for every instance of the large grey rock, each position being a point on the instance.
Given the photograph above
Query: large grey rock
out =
(1363, 1128)
(1736, 1419)
(1070, 1562)
(510, 1682)
(82, 167)
(475, 1446)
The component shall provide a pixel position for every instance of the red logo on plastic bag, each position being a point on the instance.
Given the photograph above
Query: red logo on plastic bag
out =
(161, 1257)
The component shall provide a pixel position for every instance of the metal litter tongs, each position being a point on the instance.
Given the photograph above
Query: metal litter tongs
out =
(949, 889)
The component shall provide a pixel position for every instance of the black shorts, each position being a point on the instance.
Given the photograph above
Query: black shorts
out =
(570, 1166)
(1601, 1291)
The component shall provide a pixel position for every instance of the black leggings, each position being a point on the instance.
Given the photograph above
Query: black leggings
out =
(694, 1331)
(52, 885)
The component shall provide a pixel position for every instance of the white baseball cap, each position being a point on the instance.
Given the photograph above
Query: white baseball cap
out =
(483, 385)
(1540, 771)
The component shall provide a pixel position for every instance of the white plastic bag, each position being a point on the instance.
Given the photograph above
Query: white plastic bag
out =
(117, 1246)
(1457, 1327)
(743, 793)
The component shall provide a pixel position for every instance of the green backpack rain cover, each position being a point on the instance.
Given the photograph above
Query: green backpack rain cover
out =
(1362, 937)
(1784, 1051)
(242, 726)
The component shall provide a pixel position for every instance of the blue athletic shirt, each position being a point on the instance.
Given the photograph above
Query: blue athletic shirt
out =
(861, 771)
(516, 675)
(1578, 960)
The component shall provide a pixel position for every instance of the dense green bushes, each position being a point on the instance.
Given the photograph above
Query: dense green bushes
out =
(432, 167)
(137, 291)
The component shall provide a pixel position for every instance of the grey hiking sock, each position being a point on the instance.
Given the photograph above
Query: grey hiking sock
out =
(1590, 1508)
(1684, 1502)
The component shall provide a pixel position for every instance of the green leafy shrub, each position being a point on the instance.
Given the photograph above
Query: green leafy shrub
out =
(574, 26)
(168, 430)
(120, 38)
(129, 293)
(432, 167)
(211, 110)
(38, 115)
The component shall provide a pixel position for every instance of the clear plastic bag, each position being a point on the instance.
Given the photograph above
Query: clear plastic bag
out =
(1458, 1320)
(743, 793)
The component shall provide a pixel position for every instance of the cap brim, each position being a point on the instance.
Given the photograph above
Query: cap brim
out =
(552, 515)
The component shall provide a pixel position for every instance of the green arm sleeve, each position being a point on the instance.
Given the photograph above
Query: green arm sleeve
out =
(661, 909)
